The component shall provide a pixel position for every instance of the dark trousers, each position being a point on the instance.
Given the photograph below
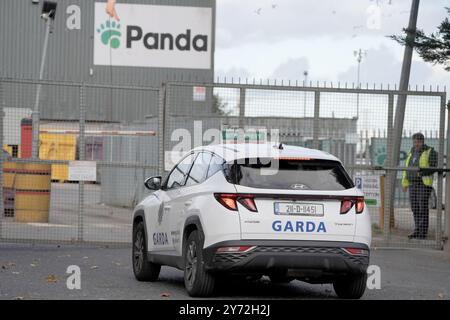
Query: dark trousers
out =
(419, 195)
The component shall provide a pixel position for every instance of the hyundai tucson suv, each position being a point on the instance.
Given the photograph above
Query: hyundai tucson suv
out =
(282, 211)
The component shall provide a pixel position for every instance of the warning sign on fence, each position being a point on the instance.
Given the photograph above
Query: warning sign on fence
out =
(371, 187)
(82, 170)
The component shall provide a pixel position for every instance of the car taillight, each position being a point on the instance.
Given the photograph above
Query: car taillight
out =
(359, 205)
(235, 249)
(356, 251)
(249, 203)
(346, 205)
(229, 201)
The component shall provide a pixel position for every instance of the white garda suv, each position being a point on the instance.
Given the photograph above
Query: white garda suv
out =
(254, 209)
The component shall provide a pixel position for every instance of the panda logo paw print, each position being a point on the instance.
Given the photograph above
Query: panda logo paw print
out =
(110, 34)
(380, 155)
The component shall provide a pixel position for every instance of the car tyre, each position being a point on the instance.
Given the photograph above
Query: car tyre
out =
(198, 282)
(143, 269)
(351, 287)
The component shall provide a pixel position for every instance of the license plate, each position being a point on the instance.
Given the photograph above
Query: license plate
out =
(298, 209)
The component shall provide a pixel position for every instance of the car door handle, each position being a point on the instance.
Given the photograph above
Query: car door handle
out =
(188, 203)
(167, 208)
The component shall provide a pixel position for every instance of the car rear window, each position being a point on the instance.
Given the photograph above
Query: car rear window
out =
(289, 174)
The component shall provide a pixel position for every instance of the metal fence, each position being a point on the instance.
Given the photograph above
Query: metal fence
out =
(135, 132)
(355, 124)
(114, 126)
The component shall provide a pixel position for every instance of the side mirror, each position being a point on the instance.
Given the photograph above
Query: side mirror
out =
(153, 183)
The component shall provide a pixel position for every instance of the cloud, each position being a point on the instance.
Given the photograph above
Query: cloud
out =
(243, 22)
(234, 72)
(381, 66)
(320, 36)
(292, 69)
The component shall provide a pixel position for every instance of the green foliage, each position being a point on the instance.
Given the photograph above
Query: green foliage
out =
(434, 48)
(218, 106)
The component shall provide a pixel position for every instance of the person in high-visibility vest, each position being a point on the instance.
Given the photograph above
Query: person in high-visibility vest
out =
(419, 183)
(111, 9)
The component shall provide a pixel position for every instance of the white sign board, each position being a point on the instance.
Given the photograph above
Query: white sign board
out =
(153, 36)
(11, 124)
(371, 187)
(199, 94)
(82, 171)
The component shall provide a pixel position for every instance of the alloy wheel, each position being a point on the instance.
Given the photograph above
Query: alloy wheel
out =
(191, 263)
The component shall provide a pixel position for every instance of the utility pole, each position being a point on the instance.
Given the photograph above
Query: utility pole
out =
(396, 135)
(305, 73)
(359, 54)
(48, 15)
(447, 186)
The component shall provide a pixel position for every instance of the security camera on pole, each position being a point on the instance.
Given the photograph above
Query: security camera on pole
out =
(48, 15)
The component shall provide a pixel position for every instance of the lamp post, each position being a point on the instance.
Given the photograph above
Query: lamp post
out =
(359, 54)
(48, 15)
(305, 74)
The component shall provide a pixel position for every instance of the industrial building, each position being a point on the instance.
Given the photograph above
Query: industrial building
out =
(80, 51)
(155, 42)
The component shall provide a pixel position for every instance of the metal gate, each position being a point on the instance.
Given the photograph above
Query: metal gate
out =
(135, 132)
(115, 127)
(355, 124)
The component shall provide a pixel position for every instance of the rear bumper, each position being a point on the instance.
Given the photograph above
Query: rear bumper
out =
(305, 258)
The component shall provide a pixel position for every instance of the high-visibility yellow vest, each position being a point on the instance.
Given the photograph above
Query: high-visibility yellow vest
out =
(424, 162)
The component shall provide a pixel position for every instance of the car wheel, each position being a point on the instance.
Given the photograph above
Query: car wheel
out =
(198, 282)
(143, 269)
(352, 287)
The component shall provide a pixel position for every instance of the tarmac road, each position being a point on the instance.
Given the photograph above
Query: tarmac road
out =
(39, 272)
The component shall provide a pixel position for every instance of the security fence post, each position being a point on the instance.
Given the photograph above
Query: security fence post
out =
(81, 146)
(2, 209)
(316, 123)
(161, 127)
(440, 164)
(390, 174)
(447, 184)
(241, 107)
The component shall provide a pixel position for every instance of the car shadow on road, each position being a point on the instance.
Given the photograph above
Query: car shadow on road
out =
(232, 288)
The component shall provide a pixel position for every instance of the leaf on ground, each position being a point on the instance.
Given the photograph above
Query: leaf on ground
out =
(15, 272)
(85, 257)
(165, 295)
(18, 298)
(441, 296)
(51, 278)
(33, 265)
(94, 267)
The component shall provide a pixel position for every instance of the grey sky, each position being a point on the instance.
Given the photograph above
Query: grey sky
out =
(281, 38)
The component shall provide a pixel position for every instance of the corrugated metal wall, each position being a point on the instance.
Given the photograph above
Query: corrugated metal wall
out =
(124, 186)
(70, 58)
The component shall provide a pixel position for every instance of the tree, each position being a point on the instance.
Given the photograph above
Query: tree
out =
(218, 106)
(434, 48)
